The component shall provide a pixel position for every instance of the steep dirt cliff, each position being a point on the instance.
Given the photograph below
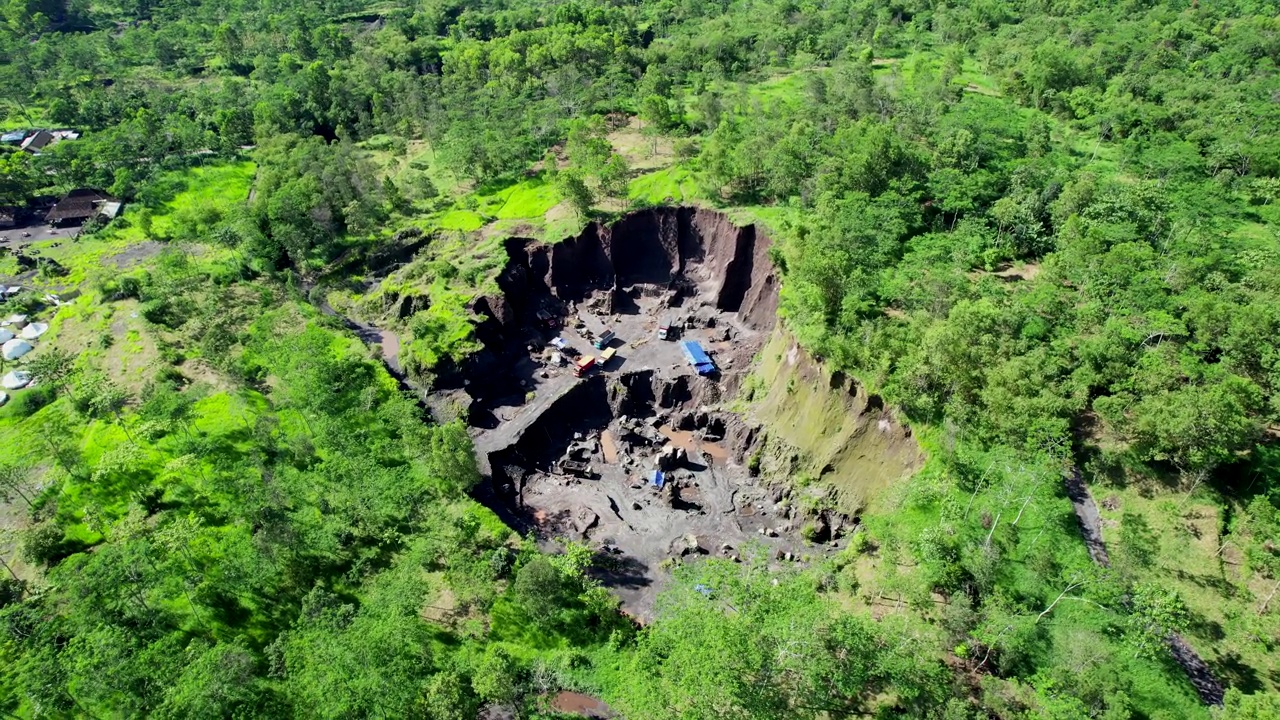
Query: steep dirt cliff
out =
(805, 420)
(693, 251)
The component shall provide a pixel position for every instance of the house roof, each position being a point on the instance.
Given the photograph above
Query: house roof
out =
(39, 141)
(15, 136)
(80, 204)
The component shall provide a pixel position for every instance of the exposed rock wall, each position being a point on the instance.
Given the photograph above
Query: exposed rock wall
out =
(583, 408)
(807, 420)
(660, 247)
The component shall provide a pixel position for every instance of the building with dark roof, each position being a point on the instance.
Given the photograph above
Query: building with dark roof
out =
(40, 140)
(79, 206)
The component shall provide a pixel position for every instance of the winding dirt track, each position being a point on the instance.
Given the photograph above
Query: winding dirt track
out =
(1087, 514)
(1198, 671)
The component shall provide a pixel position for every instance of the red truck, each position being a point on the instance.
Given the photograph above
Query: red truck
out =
(583, 365)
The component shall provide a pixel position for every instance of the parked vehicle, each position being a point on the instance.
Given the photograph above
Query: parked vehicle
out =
(697, 357)
(604, 339)
(548, 320)
(575, 468)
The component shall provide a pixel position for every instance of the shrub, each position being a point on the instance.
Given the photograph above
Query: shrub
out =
(809, 532)
(42, 544)
(119, 287)
(31, 400)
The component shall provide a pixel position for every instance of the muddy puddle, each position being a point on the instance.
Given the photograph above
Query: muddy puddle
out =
(609, 447)
(574, 703)
(688, 441)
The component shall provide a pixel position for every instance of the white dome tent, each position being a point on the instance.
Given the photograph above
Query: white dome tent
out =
(15, 349)
(16, 380)
(34, 330)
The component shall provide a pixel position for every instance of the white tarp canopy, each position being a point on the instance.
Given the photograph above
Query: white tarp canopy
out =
(4, 398)
(15, 349)
(16, 380)
(5, 335)
(33, 331)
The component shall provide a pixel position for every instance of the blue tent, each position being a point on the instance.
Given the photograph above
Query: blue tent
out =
(657, 479)
(698, 358)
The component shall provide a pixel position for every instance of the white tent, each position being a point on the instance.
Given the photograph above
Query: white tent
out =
(16, 380)
(4, 398)
(18, 320)
(15, 349)
(5, 335)
(33, 331)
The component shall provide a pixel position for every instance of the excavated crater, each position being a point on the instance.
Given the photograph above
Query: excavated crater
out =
(637, 456)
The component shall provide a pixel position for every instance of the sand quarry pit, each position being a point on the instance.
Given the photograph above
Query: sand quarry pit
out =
(574, 457)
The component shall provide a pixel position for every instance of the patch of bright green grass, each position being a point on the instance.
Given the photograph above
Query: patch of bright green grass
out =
(463, 220)
(566, 226)
(779, 220)
(82, 258)
(673, 185)
(15, 120)
(222, 414)
(782, 89)
(975, 79)
(529, 199)
(222, 186)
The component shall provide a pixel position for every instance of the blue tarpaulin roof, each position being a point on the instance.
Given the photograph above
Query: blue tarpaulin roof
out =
(697, 357)
(657, 479)
(13, 137)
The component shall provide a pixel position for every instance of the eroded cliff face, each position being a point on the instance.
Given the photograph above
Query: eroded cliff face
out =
(804, 419)
(695, 252)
